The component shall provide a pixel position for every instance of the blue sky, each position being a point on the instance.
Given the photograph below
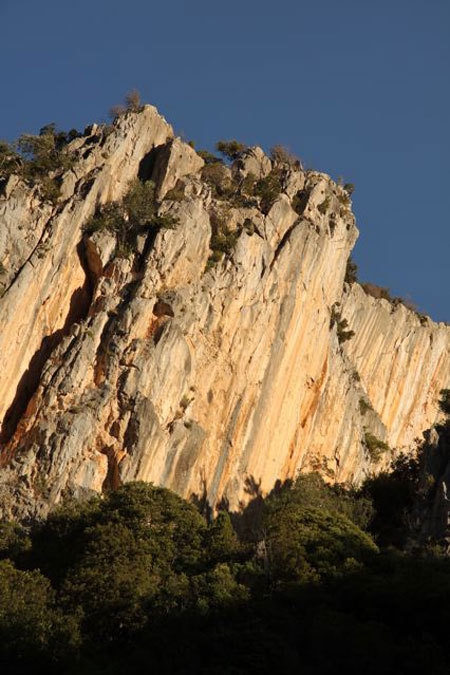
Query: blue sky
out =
(355, 88)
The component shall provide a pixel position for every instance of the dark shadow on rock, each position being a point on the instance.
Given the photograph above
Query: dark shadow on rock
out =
(29, 382)
(148, 164)
(247, 519)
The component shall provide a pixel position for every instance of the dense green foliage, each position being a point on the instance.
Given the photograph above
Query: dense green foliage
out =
(268, 189)
(140, 581)
(136, 213)
(40, 160)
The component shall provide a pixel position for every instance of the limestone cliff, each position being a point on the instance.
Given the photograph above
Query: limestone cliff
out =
(203, 372)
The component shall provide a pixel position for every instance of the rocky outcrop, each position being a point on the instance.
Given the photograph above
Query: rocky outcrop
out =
(195, 371)
(403, 360)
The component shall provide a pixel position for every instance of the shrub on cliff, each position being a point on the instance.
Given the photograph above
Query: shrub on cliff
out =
(281, 155)
(378, 292)
(135, 213)
(209, 158)
(341, 325)
(351, 271)
(133, 100)
(44, 153)
(109, 217)
(231, 149)
(10, 160)
(268, 190)
(139, 204)
(132, 103)
(40, 160)
(375, 446)
(349, 188)
(218, 178)
(223, 239)
(141, 208)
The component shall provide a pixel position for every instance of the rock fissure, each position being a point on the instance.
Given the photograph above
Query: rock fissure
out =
(78, 309)
(207, 381)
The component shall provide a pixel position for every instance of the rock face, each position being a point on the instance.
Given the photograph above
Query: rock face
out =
(210, 374)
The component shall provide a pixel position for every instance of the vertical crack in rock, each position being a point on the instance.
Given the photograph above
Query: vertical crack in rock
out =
(112, 480)
(275, 392)
(284, 240)
(80, 303)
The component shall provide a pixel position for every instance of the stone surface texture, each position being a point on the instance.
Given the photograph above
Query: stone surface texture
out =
(204, 376)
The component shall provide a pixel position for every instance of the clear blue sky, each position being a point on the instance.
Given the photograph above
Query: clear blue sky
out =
(356, 88)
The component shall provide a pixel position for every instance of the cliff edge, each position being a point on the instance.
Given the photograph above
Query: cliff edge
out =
(214, 357)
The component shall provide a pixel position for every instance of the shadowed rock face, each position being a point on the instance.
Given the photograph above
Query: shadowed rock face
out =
(194, 375)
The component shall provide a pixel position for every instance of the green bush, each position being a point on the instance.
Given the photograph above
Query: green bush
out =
(14, 541)
(223, 240)
(124, 575)
(231, 149)
(247, 185)
(268, 190)
(109, 217)
(115, 558)
(208, 157)
(139, 204)
(310, 490)
(342, 334)
(375, 447)
(44, 153)
(394, 493)
(10, 160)
(165, 222)
(137, 212)
(40, 160)
(31, 628)
(308, 544)
(341, 325)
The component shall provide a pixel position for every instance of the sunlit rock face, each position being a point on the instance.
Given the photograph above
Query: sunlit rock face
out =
(210, 375)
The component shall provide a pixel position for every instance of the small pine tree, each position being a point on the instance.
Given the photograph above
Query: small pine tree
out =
(231, 149)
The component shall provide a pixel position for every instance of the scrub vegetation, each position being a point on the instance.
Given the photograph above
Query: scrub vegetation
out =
(135, 214)
(40, 159)
(311, 578)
